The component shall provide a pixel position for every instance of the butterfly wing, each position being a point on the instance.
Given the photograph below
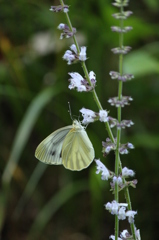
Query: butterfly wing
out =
(49, 150)
(77, 150)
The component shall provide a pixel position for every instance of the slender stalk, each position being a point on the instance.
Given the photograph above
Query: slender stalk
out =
(120, 87)
(117, 157)
(116, 193)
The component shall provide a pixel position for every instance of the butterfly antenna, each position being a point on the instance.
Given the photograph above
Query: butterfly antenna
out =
(69, 106)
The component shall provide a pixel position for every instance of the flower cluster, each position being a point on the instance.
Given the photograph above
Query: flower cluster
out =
(121, 50)
(122, 16)
(72, 56)
(123, 77)
(115, 101)
(109, 146)
(81, 84)
(107, 174)
(91, 116)
(124, 123)
(119, 209)
(121, 30)
(122, 183)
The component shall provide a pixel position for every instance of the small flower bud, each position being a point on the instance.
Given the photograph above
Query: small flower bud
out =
(130, 145)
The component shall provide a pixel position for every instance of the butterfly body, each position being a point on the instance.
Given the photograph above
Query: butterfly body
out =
(69, 146)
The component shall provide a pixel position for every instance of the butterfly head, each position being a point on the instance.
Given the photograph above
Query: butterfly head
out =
(77, 125)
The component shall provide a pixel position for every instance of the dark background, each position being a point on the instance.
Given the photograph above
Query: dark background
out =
(50, 202)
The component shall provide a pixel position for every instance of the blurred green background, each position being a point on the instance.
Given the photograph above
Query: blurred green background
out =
(50, 202)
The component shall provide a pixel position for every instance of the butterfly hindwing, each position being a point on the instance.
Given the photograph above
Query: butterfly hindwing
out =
(49, 150)
(77, 150)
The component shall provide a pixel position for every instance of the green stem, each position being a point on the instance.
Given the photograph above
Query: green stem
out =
(116, 193)
(120, 87)
(117, 156)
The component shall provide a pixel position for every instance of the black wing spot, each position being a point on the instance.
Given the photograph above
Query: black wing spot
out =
(53, 153)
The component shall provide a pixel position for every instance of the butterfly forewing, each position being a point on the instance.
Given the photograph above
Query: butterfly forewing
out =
(77, 150)
(49, 150)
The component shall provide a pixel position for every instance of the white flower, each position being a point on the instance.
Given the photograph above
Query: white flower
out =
(112, 207)
(121, 213)
(102, 168)
(76, 82)
(69, 57)
(103, 116)
(113, 237)
(88, 115)
(82, 55)
(124, 234)
(137, 233)
(108, 206)
(92, 76)
(115, 207)
(130, 214)
(127, 172)
(73, 48)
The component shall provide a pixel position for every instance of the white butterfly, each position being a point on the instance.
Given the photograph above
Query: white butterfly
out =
(69, 146)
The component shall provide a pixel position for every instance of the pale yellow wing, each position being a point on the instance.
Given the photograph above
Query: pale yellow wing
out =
(49, 150)
(77, 150)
